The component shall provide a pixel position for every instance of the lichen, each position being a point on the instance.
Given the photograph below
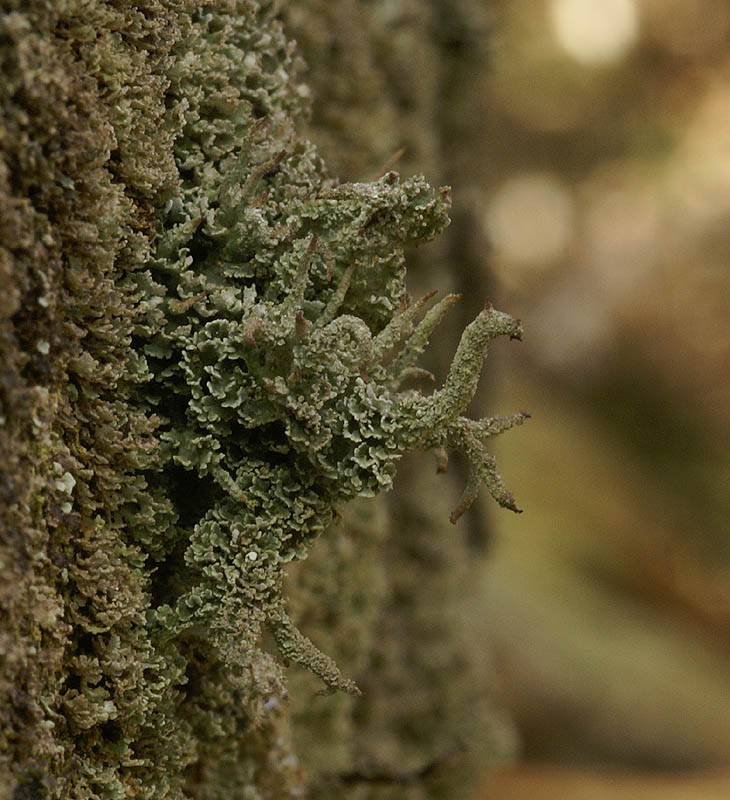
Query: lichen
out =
(304, 372)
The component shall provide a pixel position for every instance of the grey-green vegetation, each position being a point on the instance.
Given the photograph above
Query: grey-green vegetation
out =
(208, 350)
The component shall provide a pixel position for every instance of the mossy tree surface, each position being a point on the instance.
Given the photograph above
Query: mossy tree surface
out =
(207, 344)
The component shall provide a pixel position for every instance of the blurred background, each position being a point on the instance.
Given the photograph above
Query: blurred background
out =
(604, 190)
(588, 146)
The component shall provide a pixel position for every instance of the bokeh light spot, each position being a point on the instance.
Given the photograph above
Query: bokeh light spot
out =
(595, 31)
(530, 220)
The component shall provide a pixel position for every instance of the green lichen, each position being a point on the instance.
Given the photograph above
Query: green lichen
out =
(306, 378)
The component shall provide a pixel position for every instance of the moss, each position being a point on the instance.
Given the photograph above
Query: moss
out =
(74, 695)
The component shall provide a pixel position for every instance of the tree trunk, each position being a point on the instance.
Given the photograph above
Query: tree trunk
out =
(200, 330)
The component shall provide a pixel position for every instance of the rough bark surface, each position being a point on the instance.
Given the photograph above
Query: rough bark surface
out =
(208, 350)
